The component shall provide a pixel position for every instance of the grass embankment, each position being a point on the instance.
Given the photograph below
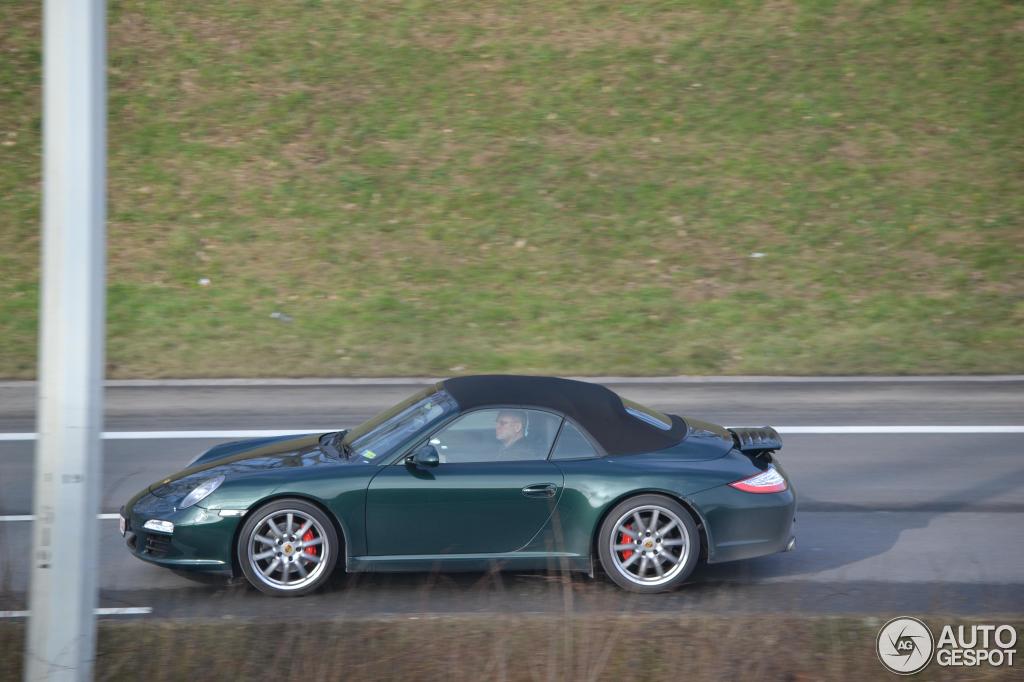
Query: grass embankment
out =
(651, 648)
(578, 188)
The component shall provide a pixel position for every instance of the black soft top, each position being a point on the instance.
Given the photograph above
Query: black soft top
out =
(597, 409)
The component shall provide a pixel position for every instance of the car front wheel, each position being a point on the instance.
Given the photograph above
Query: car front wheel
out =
(649, 543)
(288, 548)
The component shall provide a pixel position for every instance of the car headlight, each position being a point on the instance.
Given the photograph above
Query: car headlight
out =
(201, 491)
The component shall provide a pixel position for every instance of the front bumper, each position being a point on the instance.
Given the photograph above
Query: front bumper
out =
(202, 540)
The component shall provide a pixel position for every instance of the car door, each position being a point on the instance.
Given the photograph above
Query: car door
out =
(484, 497)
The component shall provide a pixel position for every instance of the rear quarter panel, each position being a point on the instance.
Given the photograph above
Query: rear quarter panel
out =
(592, 487)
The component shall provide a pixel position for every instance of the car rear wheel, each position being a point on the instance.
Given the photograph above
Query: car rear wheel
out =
(649, 543)
(288, 548)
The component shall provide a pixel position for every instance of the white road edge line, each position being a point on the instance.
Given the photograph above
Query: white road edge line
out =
(420, 381)
(123, 611)
(30, 517)
(824, 430)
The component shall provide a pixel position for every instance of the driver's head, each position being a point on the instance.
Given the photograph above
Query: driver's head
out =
(509, 426)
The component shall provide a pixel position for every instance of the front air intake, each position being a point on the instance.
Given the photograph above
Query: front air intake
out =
(157, 545)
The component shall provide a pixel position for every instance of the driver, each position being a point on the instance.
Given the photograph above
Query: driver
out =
(510, 430)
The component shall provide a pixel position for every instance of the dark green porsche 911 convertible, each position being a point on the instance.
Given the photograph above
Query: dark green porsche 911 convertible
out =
(523, 473)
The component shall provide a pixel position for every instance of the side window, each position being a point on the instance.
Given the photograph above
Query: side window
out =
(572, 444)
(498, 435)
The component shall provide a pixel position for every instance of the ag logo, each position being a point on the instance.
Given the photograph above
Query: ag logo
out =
(905, 645)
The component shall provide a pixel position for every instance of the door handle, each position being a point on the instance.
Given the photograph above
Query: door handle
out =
(540, 490)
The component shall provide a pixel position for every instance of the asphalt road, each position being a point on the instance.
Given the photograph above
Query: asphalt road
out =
(888, 523)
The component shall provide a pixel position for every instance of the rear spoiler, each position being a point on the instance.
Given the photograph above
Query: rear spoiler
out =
(756, 441)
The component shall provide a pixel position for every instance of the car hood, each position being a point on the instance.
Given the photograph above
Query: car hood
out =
(243, 457)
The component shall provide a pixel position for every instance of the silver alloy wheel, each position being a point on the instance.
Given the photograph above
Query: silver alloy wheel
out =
(288, 549)
(649, 545)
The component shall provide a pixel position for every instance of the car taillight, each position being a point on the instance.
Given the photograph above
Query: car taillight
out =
(770, 481)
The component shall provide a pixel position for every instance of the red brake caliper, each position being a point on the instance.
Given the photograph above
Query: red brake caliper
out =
(306, 538)
(623, 539)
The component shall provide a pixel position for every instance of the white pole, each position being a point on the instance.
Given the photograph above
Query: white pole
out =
(61, 640)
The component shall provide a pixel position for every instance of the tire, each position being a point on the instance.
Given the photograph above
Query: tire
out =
(641, 559)
(288, 562)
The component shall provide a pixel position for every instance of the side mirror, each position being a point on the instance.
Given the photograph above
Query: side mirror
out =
(425, 456)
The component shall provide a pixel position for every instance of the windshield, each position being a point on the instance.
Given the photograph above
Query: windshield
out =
(389, 429)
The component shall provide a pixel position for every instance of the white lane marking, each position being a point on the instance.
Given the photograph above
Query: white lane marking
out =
(30, 517)
(840, 430)
(174, 435)
(824, 430)
(836, 430)
(123, 611)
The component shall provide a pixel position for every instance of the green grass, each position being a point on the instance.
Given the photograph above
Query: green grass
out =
(558, 187)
